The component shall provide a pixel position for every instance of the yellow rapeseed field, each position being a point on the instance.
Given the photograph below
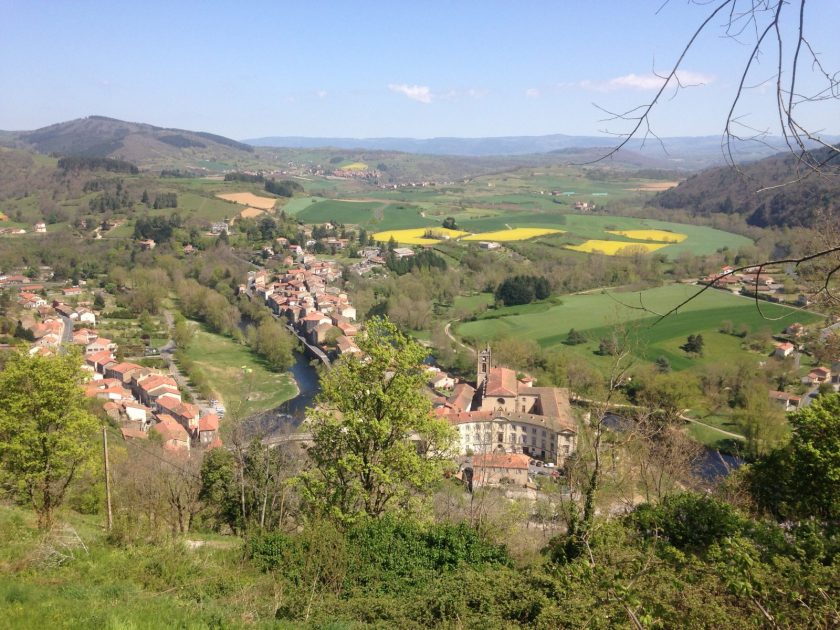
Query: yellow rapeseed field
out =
(249, 199)
(516, 234)
(414, 236)
(355, 166)
(613, 248)
(661, 236)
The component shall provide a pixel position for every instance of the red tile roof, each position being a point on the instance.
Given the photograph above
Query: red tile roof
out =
(210, 422)
(169, 428)
(515, 461)
(134, 433)
(501, 382)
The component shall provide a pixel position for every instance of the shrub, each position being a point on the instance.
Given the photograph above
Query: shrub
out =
(688, 521)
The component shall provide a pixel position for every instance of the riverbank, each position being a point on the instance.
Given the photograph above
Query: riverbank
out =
(241, 380)
(288, 415)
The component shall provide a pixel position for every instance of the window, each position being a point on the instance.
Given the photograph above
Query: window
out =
(500, 437)
(543, 433)
(501, 401)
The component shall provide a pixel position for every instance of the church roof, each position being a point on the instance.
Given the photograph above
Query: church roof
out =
(501, 382)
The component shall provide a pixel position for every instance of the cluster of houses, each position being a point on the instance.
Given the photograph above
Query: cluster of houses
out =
(812, 381)
(303, 295)
(750, 282)
(372, 259)
(40, 227)
(138, 398)
(142, 399)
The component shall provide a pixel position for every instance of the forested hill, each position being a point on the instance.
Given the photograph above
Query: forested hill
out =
(727, 190)
(141, 144)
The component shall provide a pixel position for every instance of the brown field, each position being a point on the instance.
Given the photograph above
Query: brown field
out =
(249, 199)
(653, 187)
(250, 213)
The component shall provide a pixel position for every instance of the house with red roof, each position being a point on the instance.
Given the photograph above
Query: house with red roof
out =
(783, 350)
(493, 469)
(208, 429)
(786, 401)
(817, 376)
(175, 437)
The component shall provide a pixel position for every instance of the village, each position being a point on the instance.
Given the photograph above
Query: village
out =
(138, 399)
(507, 430)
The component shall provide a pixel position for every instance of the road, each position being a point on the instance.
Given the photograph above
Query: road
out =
(448, 332)
(67, 334)
(167, 353)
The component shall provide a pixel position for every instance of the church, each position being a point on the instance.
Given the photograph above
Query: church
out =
(504, 414)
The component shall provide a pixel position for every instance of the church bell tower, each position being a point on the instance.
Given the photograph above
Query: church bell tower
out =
(484, 365)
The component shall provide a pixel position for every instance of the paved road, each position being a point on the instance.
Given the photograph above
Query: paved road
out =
(67, 335)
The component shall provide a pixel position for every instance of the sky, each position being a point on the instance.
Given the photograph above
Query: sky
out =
(377, 69)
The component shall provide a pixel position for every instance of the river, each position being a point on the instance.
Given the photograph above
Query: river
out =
(288, 415)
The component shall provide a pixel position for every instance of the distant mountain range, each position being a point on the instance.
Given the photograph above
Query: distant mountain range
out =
(405, 159)
(139, 143)
(690, 153)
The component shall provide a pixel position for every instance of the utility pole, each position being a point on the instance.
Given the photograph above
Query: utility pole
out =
(107, 477)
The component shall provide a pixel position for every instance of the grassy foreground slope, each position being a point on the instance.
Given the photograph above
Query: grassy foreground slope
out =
(149, 586)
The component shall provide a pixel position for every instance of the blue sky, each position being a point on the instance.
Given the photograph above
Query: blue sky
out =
(364, 69)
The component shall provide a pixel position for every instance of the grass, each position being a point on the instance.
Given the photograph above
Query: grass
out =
(515, 234)
(296, 205)
(597, 314)
(346, 212)
(470, 303)
(399, 217)
(149, 586)
(242, 380)
(205, 207)
(614, 248)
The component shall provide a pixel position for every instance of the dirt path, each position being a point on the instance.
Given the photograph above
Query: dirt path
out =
(736, 436)
(447, 330)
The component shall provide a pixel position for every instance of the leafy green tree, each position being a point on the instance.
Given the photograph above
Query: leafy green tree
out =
(375, 440)
(801, 480)
(693, 345)
(762, 423)
(273, 342)
(449, 223)
(663, 364)
(575, 338)
(47, 438)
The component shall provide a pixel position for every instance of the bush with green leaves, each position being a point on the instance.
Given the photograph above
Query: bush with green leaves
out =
(688, 521)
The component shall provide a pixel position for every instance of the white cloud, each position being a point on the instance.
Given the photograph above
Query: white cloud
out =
(321, 94)
(532, 93)
(419, 93)
(645, 82)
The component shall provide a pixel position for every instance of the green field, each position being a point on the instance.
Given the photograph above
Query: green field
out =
(357, 213)
(596, 315)
(240, 378)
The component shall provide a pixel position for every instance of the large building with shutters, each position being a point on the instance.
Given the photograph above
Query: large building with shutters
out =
(506, 414)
